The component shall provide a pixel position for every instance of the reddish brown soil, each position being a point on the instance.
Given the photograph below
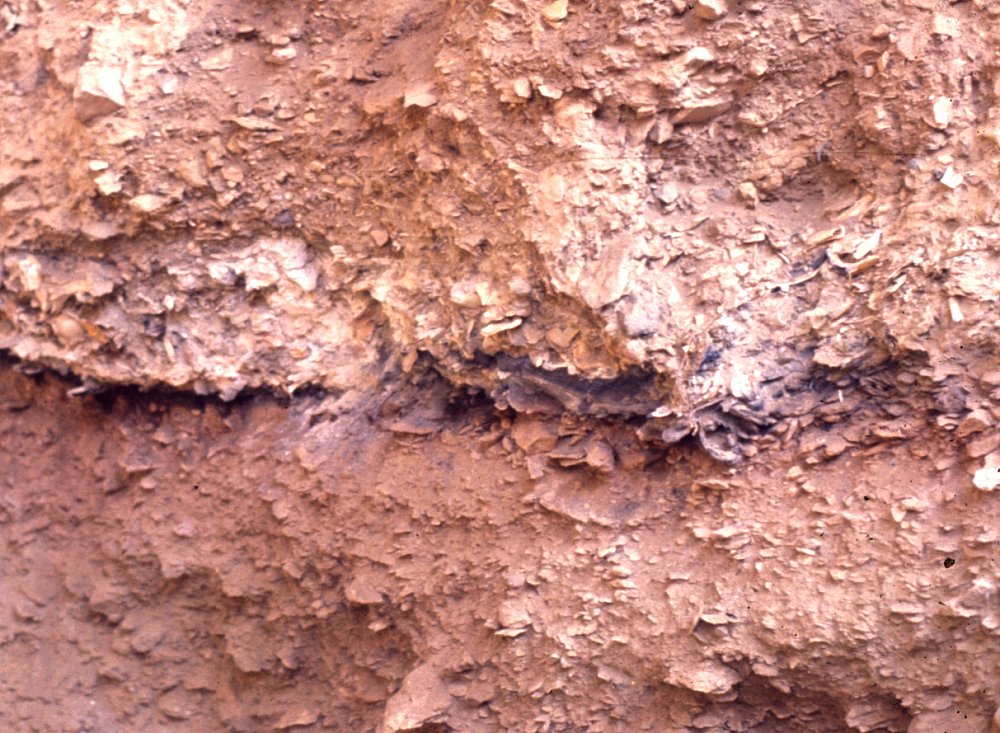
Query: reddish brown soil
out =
(512, 365)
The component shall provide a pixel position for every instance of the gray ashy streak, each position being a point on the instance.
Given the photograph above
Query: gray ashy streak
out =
(632, 393)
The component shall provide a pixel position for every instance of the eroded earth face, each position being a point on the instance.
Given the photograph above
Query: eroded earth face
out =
(509, 366)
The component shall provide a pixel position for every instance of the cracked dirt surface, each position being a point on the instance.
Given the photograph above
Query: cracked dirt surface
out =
(499, 366)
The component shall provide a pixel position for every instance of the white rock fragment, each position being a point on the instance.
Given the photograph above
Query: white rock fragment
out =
(421, 697)
(292, 257)
(667, 192)
(951, 178)
(513, 614)
(660, 131)
(281, 55)
(757, 67)
(710, 9)
(487, 295)
(741, 385)
(305, 277)
(67, 329)
(108, 183)
(945, 25)
(941, 113)
(98, 92)
(955, 311)
(147, 203)
(695, 58)
(702, 110)
(748, 192)
(255, 124)
(641, 316)
(867, 245)
(555, 12)
(464, 293)
(987, 478)
(549, 91)
(494, 328)
(522, 87)
(362, 591)
(420, 96)
(219, 60)
(708, 677)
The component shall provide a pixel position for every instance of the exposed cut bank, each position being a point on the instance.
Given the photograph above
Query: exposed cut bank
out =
(513, 366)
